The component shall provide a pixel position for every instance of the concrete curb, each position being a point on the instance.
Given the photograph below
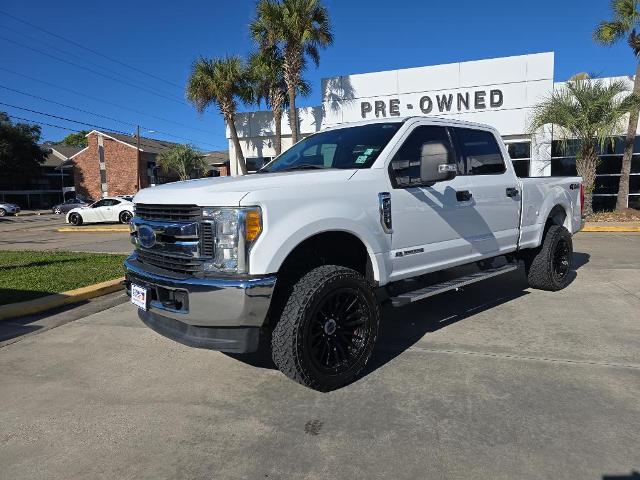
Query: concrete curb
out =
(42, 304)
(611, 229)
(92, 229)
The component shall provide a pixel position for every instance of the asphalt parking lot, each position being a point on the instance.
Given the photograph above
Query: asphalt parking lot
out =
(39, 232)
(497, 382)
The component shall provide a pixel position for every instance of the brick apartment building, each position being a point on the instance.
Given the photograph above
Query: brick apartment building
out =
(118, 164)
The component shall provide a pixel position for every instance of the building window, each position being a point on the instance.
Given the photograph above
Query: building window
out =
(563, 162)
(520, 153)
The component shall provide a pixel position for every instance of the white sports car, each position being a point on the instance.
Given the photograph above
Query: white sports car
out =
(108, 209)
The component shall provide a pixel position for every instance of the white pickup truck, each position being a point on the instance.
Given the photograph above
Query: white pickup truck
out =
(303, 253)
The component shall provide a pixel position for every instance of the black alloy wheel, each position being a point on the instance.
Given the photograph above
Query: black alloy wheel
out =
(561, 259)
(125, 216)
(339, 331)
(75, 219)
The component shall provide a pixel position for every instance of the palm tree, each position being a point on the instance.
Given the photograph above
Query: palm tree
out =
(626, 19)
(220, 81)
(183, 160)
(266, 78)
(589, 112)
(300, 28)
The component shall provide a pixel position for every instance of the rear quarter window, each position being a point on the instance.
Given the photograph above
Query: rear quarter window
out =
(481, 152)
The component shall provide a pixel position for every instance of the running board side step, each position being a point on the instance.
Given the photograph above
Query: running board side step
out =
(430, 291)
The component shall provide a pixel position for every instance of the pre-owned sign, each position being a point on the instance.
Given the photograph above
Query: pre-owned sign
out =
(436, 103)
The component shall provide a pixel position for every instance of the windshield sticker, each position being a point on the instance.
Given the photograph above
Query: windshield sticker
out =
(369, 151)
(362, 159)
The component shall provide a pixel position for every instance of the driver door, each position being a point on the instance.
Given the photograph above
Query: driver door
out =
(97, 211)
(111, 210)
(431, 224)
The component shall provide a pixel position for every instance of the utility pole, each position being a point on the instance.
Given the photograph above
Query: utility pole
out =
(138, 173)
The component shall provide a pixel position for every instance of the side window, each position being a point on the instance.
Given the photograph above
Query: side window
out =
(481, 152)
(405, 165)
(115, 202)
(100, 203)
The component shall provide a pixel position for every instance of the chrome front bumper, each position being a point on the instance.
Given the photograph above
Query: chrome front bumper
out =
(204, 302)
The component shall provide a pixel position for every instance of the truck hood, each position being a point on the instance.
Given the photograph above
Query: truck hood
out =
(229, 191)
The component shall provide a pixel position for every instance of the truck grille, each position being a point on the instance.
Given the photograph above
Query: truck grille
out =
(206, 239)
(184, 265)
(168, 212)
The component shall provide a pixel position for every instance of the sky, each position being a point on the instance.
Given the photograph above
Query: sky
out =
(125, 64)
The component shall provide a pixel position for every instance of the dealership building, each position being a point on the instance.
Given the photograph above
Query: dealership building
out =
(501, 92)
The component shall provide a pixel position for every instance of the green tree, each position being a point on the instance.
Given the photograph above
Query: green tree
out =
(76, 139)
(625, 21)
(183, 160)
(589, 112)
(20, 155)
(299, 28)
(266, 80)
(221, 82)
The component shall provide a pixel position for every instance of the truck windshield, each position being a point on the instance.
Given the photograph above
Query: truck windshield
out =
(351, 147)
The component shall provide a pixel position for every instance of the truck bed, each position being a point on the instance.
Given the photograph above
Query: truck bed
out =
(539, 195)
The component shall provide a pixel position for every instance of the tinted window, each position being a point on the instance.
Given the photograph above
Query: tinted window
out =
(99, 203)
(351, 147)
(406, 161)
(481, 152)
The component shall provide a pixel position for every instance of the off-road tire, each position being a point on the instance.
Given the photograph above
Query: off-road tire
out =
(291, 333)
(539, 263)
(75, 219)
(125, 216)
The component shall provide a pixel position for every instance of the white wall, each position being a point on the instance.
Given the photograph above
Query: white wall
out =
(521, 80)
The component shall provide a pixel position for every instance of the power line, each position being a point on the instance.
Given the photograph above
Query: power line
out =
(107, 102)
(63, 118)
(67, 53)
(98, 127)
(40, 29)
(95, 72)
(107, 117)
(44, 123)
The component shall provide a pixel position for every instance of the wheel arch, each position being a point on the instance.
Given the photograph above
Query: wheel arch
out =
(335, 246)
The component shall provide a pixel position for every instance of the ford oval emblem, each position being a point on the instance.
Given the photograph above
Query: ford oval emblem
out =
(146, 236)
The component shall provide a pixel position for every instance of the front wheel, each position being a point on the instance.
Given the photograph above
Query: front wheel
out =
(328, 328)
(125, 216)
(75, 219)
(3, 212)
(548, 267)
(57, 210)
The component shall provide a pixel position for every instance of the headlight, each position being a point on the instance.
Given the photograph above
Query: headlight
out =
(234, 232)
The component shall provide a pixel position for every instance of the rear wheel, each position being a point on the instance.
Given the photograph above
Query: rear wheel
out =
(328, 328)
(125, 216)
(57, 210)
(3, 212)
(548, 267)
(75, 219)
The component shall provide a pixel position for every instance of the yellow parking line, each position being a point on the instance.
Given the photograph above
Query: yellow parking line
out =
(612, 228)
(92, 229)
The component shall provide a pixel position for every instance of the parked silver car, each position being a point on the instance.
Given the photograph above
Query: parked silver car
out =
(70, 205)
(8, 209)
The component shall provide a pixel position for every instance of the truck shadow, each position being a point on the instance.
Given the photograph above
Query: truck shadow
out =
(401, 328)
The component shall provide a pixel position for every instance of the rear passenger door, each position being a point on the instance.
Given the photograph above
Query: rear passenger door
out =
(495, 193)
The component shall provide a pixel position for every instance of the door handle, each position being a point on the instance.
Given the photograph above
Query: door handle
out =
(463, 195)
(512, 192)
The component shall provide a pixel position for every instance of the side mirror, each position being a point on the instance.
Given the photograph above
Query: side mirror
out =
(434, 164)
